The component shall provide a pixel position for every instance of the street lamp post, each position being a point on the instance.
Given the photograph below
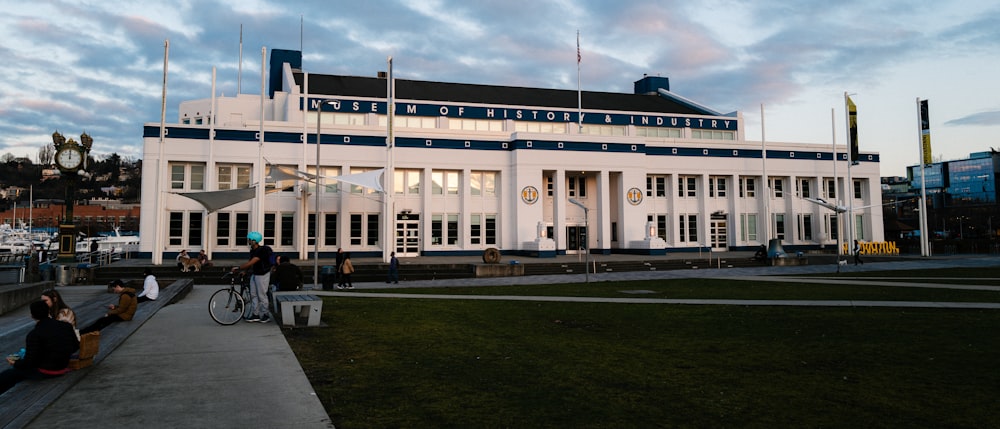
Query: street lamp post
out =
(586, 244)
(319, 183)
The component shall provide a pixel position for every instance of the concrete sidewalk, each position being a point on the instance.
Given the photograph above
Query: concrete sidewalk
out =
(181, 369)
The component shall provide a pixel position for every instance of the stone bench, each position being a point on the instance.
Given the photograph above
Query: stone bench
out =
(26, 400)
(310, 307)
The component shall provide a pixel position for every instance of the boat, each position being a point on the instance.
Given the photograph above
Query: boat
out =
(115, 245)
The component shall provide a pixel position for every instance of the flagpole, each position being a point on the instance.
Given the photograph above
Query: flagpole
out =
(924, 243)
(157, 250)
(579, 91)
(239, 68)
(388, 176)
(208, 179)
(836, 213)
(849, 186)
(766, 184)
(259, 218)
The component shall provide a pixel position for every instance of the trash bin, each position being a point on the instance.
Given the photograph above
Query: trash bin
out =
(45, 271)
(64, 275)
(328, 275)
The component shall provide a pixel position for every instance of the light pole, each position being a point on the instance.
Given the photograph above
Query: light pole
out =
(319, 183)
(586, 244)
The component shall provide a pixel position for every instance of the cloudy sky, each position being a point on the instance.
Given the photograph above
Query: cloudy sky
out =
(96, 66)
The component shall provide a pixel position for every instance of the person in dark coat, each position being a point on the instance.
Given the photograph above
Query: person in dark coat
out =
(287, 275)
(46, 352)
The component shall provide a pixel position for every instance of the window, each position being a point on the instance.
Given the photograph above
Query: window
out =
(603, 130)
(329, 186)
(830, 226)
(805, 227)
(658, 132)
(717, 187)
(185, 235)
(372, 230)
(576, 186)
(338, 118)
(475, 229)
(687, 186)
(194, 228)
(548, 185)
(661, 224)
(713, 135)
(656, 186)
(491, 230)
(540, 127)
(859, 227)
(287, 185)
(483, 183)
(222, 230)
(234, 176)
(748, 187)
(176, 228)
(831, 190)
(476, 124)
(777, 188)
(415, 121)
(269, 229)
(858, 190)
(779, 226)
(804, 188)
(748, 226)
(330, 229)
(357, 189)
(242, 228)
(688, 231)
(444, 229)
(187, 176)
(444, 181)
(406, 182)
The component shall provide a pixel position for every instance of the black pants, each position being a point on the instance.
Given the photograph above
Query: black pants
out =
(102, 323)
(12, 376)
(143, 299)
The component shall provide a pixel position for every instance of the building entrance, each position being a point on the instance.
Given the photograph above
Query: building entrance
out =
(407, 234)
(576, 239)
(718, 233)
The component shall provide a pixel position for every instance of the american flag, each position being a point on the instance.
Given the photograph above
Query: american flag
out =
(578, 47)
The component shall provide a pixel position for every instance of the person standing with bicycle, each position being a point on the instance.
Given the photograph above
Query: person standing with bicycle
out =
(260, 266)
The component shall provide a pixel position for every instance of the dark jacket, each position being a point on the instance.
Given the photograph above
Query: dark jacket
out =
(48, 346)
(126, 304)
(287, 276)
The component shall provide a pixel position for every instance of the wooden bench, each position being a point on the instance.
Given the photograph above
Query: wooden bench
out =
(26, 400)
(310, 307)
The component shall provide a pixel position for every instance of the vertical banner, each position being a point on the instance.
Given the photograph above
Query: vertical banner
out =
(852, 121)
(925, 133)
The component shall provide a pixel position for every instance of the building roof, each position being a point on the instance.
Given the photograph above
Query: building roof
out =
(356, 86)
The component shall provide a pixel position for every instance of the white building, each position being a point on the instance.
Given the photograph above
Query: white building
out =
(478, 166)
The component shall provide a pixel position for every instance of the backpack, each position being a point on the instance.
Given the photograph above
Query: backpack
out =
(270, 260)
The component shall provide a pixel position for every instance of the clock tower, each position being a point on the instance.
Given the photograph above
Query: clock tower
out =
(71, 159)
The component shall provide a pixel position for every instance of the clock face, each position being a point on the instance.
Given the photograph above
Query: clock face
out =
(69, 158)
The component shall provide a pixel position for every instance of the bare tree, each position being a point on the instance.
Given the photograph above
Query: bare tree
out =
(46, 155)
(7, 157)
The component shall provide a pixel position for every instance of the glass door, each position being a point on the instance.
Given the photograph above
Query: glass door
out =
(407, 234)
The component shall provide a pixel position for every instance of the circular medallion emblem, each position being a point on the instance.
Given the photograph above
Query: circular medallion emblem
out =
(529, 195)
(634, 196)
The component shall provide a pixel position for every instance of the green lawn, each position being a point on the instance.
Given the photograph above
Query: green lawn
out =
(437, 363)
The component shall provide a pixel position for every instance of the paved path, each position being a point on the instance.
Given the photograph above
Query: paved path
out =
(181, 369)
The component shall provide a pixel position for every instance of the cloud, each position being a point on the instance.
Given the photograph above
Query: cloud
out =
(977, 119)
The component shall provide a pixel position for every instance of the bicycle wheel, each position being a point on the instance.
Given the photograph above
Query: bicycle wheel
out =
(226, 307)
(248, 309)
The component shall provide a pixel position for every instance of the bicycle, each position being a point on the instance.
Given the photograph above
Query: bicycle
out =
(230, 305)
